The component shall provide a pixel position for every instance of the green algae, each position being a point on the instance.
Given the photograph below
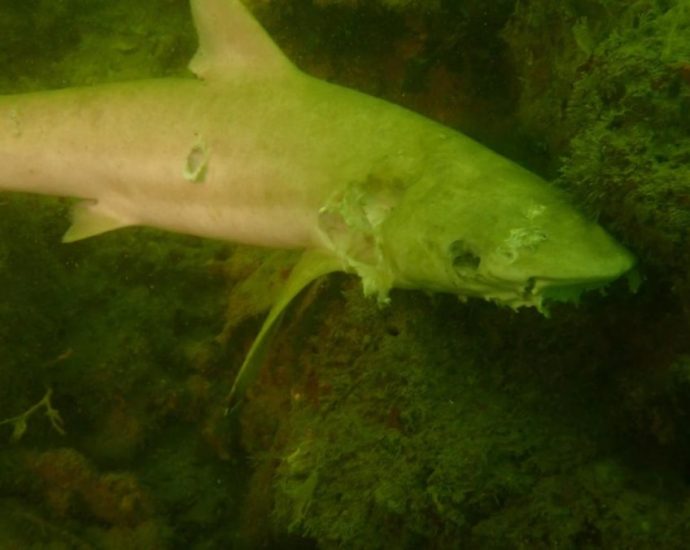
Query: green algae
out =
(423, 438)
(113, 348)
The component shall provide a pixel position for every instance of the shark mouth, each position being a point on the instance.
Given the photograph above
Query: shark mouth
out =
(541, 292)
(537, 292)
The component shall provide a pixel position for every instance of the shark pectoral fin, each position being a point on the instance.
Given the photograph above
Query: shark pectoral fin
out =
(230, 39)
(89, 219)
(311, 266)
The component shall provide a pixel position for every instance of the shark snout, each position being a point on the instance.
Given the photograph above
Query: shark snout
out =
(590, 271)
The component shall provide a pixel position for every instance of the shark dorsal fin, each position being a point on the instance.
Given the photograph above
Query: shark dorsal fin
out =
(231, 40)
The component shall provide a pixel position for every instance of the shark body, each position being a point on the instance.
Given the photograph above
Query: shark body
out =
(254, 151)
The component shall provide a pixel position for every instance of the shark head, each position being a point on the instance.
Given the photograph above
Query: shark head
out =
(501, 234)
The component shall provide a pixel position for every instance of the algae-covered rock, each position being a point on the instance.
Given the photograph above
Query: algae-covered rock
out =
(400, 5)
(393, 4)
(452, 424)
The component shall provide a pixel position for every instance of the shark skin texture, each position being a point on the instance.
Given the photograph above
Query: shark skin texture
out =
(254, 151)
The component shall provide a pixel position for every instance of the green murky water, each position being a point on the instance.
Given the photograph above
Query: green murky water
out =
(429, 423)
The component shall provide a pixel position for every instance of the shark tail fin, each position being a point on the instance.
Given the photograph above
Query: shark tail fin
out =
(311, 266)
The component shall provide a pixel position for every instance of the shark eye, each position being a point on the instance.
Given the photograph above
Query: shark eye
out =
(462, 256)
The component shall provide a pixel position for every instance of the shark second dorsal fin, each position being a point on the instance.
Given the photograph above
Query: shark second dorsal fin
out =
(311, 266)
(231, 40)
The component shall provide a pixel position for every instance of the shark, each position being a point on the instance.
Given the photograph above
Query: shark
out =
(250, 149)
